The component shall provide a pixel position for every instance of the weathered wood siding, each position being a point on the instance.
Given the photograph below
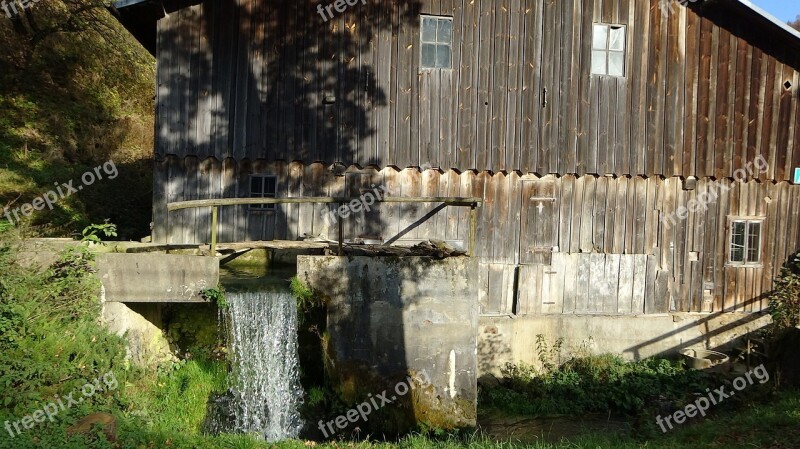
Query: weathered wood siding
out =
(599, 245)
(269, 80)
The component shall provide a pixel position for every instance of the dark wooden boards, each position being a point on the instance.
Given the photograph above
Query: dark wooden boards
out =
(263, 80)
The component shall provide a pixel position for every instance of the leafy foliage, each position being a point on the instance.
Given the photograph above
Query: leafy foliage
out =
(784, 300)
(51, 342)
(216, 296)
(306, 299)
(93, 232)
(604, 383)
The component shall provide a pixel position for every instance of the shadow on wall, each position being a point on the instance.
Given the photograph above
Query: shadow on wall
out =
(717, 331)
(387, 323)
(266, 81)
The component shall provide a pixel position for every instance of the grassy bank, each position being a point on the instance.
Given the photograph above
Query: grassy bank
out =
(51, 345)
(76, 90)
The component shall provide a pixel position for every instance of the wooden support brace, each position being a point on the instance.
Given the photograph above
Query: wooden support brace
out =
(214, 213)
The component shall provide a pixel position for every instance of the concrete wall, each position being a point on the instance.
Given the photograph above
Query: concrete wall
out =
(503, 339)
(389, 317)
(156, 277)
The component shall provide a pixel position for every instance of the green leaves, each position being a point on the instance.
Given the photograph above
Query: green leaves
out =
(215, 295)
(784, 300)
(93, 232)
(603, 383)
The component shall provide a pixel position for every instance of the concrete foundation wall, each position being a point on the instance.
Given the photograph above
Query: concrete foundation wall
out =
(506, 339)
(389, 317)
(156, 277)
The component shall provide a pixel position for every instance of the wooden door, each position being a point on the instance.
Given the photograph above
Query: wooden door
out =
(538, 222)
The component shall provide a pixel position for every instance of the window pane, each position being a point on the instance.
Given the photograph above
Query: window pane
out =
(428, 29)
(599, 62)
(617, 39)
(428, 55)
(737, 241)
(616, 63)
(255, 184)
(753, 241)
(444, 34)
(600, 40)
(443, 56)
(270, 185)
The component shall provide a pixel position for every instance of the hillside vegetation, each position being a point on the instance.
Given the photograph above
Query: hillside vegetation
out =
(76, 90)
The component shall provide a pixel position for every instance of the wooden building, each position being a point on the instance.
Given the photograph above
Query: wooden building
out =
(634, 156)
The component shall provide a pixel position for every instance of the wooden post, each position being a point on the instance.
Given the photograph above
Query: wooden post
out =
(473, 223)
(341, 231)
(214, 213)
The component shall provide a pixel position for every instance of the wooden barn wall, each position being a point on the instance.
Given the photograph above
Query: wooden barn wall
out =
(588, 244)
(269, 80)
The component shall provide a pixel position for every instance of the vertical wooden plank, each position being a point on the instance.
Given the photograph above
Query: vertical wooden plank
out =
(570, 264)
(651, 302)
(485, 65)
(704, 114)
(565, 202)
(600, 205)
(598, 287)
(722, 118)
(161, 218)
(583, 299)
(464, 94)
(243, 190)
(626, 284)
(639, 283)
(587, 215)
(611, 290)
(587, 160)
(690, 123)
(657, 65)
(205, 191)
(577, 211)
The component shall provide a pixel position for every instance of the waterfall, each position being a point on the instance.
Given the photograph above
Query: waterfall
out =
(265, 384)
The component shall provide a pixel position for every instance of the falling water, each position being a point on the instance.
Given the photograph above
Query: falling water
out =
(263, 342)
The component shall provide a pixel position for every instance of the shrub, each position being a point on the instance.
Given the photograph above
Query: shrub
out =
(784, 300)
(604, 383)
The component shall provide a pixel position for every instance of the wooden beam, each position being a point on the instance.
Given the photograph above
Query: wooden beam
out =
(450, 201)
(214, 215)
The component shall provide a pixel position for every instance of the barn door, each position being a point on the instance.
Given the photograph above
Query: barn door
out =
(537, 238)
(538, 224)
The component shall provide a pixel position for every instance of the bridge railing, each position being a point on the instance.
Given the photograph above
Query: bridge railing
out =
(215, 204)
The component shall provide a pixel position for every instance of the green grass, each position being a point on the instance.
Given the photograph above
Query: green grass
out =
(72, 102)
(51, 343)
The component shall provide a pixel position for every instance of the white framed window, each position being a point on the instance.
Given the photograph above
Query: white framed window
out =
(744, 243)
(436, 42)
(263, 186)
(608, 50)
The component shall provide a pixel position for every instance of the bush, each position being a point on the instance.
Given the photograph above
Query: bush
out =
(51, 341)
(784, 300)
(604, 383)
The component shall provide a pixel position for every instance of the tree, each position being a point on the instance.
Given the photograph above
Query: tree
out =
(795, 24)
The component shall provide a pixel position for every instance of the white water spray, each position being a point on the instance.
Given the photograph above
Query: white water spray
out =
(263, 343)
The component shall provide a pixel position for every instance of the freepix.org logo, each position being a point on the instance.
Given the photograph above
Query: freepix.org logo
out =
(62, 190)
